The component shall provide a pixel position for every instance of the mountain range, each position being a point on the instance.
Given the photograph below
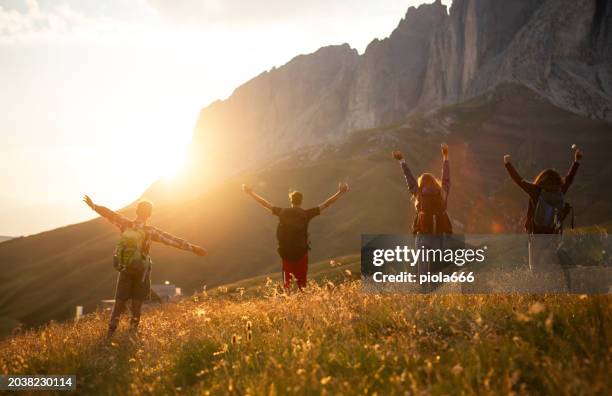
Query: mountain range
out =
(528, 78)
(560, 49)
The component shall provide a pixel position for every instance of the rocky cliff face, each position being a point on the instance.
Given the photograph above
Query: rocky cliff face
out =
(563, 52)
(388, 83)
(299, 104)
(560, 48)
(474, 34)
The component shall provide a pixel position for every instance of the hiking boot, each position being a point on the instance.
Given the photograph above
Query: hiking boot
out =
(112, 327)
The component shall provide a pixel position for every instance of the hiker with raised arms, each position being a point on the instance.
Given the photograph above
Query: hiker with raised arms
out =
(546, 211)
(430, 197)
(292, 232)
(132, 258)
(431, 221)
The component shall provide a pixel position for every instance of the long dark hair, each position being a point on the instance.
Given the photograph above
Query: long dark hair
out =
(430, 182)
(549, 179)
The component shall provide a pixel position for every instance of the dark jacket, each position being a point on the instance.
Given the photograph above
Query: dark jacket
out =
(533, 190)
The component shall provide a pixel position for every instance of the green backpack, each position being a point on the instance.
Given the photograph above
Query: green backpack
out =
(128, 256)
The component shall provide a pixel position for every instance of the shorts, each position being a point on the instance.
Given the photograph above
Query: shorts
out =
(297, 269)
(133, 287)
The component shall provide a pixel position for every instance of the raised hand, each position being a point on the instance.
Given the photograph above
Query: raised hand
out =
(444, 148)
(247, 189)
(397, 155)
(88, 201)
(507, 159)
(200, 251)
(578, 155)
(343, 187)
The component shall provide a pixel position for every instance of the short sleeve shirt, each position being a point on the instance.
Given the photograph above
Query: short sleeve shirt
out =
(292, 231)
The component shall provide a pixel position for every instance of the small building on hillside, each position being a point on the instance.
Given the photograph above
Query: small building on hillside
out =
(165, 292)
(159, 293)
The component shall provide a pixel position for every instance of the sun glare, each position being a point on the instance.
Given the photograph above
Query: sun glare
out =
(170, 160)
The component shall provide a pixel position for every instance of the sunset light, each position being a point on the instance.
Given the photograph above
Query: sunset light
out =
(288, 197)
(97, 94)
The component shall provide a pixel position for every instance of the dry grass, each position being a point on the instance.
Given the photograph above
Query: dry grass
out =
(333, 339)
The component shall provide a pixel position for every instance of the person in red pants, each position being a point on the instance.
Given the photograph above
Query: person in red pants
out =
(292, 232)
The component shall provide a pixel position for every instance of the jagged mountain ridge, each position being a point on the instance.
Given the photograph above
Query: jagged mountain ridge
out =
(561, 49)
(44, 276)
(303, 119)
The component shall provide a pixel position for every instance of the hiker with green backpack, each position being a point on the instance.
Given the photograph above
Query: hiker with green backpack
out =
(132, 260)
(292, 232)
(547, 210)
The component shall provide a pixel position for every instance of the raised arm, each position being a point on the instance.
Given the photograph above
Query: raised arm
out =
(342, 189)
(569, 178)
(114, 217)
(260, 200)
(410, 180)
(171, 240)
(529, 188)
(445, 169)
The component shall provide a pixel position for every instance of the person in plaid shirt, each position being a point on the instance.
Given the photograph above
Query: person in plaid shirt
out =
(130, 286)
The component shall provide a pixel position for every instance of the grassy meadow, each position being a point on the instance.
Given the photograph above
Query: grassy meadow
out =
(250, 339)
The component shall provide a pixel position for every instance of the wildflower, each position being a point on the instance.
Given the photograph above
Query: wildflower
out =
(522, 317)
(548, 323)
(222, 351)
(325, 380)
(536, 308)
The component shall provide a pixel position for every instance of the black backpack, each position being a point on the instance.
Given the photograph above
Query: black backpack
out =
(292, 234)
(550, 212)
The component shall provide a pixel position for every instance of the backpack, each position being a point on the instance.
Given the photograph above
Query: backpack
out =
(292, 234)
(128, 256)
(550, 212)
(431, 217)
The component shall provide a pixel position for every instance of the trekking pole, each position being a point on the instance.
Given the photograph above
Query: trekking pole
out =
(529, 253)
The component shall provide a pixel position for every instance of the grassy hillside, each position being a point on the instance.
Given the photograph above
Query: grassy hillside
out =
(333, 339)
(44, 276)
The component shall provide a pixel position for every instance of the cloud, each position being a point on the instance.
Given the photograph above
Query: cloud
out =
(15, 24)
(250, 11)
(36, 20)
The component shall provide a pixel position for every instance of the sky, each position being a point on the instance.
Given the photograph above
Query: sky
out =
(101, 97)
